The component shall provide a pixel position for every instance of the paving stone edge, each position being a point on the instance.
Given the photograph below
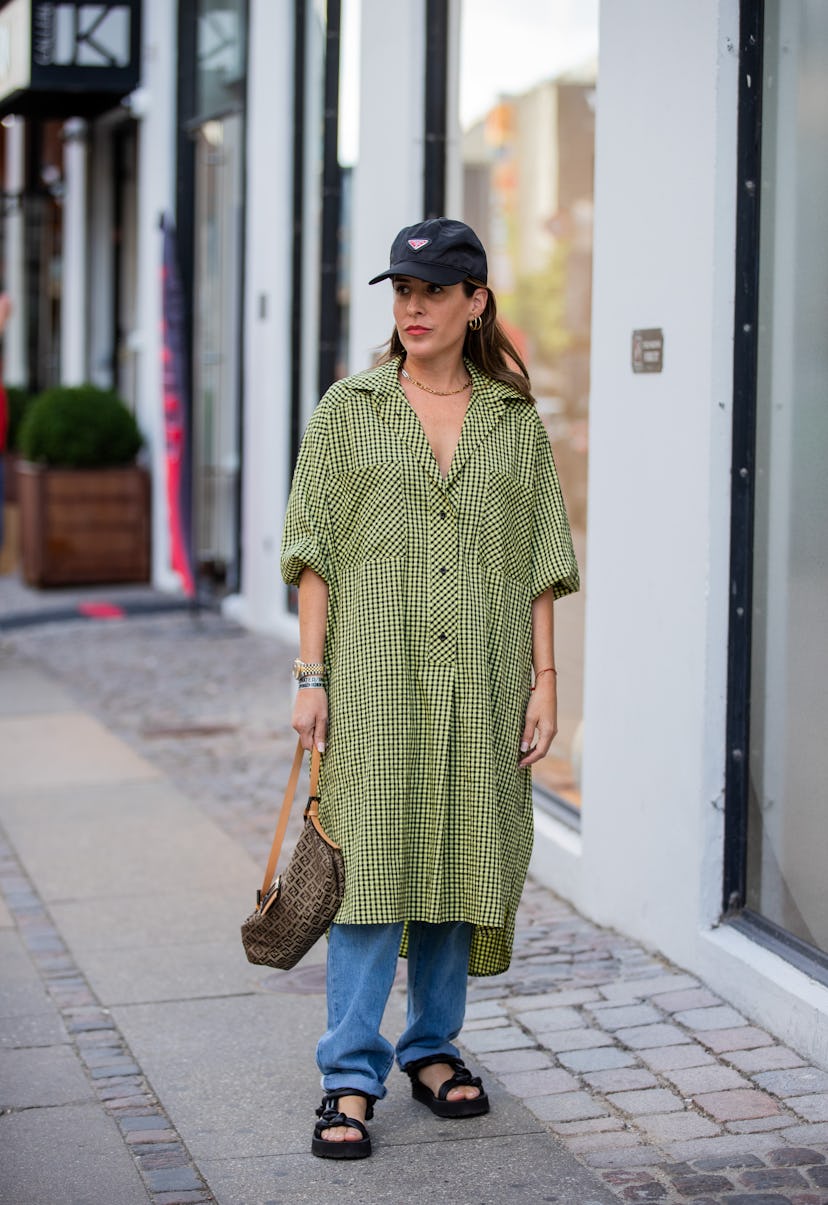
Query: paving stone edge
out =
(168, 1171)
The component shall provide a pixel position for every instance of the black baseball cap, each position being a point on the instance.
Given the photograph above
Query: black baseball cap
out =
(439, 250)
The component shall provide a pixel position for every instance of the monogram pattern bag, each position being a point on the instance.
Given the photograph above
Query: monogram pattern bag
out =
(295, 909)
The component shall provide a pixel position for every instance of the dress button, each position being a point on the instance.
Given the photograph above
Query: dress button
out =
(442, 514)
(443, 569)
(442, 636)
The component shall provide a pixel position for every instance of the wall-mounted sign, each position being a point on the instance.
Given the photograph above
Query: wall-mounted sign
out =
(67, 58)
(648, 350)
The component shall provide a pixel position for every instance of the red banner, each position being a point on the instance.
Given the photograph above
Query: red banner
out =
(174, 377)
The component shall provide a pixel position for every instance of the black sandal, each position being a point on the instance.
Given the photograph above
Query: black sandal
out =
(462, 1078)
(329, 1117)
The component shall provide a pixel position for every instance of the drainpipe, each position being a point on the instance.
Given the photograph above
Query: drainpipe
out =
(298, 201)
(331, 202)
(436, 91)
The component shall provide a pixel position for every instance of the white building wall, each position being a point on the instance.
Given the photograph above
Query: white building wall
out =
(658, 521)
(154, 105)
(388, 179)
(267, 308)
(649, 857)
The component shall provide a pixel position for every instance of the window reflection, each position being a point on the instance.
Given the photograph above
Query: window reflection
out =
(527, 112)
(220, 74)
(787, 882)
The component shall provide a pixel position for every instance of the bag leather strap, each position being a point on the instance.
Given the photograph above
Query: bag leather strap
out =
(284, 814)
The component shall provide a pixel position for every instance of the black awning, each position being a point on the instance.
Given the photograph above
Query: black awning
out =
(68, 58)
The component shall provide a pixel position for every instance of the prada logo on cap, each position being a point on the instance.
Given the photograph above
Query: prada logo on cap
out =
(417, 244)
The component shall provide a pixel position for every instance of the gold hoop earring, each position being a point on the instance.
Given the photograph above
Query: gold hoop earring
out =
(475, 323)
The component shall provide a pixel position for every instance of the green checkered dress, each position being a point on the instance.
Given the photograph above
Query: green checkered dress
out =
(428, 646)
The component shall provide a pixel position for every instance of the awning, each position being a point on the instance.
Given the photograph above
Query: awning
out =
(67, 58)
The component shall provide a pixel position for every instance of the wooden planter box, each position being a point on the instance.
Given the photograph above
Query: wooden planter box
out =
(84, 526)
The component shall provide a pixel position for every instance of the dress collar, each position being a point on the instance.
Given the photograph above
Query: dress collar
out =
(489, 402)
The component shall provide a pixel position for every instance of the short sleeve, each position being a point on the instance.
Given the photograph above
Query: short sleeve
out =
(305, 540)
(553, 557)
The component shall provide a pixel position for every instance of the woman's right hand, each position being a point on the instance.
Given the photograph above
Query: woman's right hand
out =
(310, 717)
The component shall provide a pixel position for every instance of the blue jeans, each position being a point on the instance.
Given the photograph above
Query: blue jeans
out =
(362, 962)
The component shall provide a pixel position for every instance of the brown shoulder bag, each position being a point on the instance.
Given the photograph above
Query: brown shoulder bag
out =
(295, 909)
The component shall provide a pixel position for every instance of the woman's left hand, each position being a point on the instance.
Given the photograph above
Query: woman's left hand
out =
(541, 724)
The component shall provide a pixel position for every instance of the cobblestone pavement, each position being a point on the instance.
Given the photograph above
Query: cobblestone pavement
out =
(167, 1170)
(643, 1072)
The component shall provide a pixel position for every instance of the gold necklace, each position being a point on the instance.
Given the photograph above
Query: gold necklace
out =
(436, 392)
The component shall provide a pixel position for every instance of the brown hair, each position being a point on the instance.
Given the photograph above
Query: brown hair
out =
(490, 349)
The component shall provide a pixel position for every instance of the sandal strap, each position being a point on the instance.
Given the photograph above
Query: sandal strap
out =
(462, 1078)
(330, 1107)
(329, 1119)
(429, 1060)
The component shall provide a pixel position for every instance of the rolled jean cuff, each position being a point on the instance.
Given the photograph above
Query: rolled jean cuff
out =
(413, 1054)
(339, 1083)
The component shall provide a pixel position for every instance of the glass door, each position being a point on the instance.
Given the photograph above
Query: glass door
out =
(527, 96)
(125, 260)
(216, 364)
(787, 885)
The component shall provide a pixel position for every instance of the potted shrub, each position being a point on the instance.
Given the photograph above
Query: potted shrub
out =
(84, 503)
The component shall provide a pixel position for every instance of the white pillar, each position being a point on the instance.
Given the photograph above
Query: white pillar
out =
(154, 106)
(268, 253)
(388, 179)
(73, 300)
(15, 371)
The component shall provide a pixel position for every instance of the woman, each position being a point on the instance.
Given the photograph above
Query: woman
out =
(426, 532)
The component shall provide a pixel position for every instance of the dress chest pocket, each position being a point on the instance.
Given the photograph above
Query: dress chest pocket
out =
(505, 541)
(368, 513)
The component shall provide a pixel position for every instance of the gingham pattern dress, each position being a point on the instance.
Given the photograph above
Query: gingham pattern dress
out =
(428, 646)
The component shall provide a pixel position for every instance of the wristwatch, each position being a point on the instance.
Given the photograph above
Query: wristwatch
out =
(308, 669)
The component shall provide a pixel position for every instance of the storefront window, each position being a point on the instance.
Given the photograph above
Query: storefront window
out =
(327, 133)
(220, 56)
(214, 34)
(786, 879)
(31, 246)
(527, 116)
(216, 330)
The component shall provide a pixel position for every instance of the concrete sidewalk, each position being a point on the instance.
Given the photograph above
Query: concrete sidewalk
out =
(142, 1057)
(168, 738)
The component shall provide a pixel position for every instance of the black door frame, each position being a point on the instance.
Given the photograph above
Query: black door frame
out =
(745, 344)
(743, 492)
